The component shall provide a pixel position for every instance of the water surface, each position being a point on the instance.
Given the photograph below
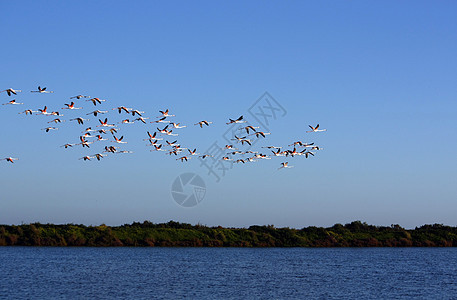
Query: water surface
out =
(228, 273)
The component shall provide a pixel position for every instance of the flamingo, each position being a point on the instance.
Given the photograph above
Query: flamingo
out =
(71, 106)
(67, 145)
(292, 152)
(246, 141)
(204, 122)
(240, 160)
(158, 148)
(161, 120)
(44, 111)
(247, 128)
(126, 121)
(47, 129)
(89, 129)
(205, 156)
(237, 121)
(272, 147)
(110, 149)
(141, 119)
(152, 142)
(96, 112)
(96, 100)
(315, 129)
(165, 113)
(28, 111)
(11, 91)
(176, 125)
(238, 139)
(171, 144)
(152, 137)
(285, 165)
(105, 123)
(125, 151)
(56, 121)
(118, 140)
(278, 153)
(86, 158)
(13, 102)
(260, 133)
(135, 111)
(79, 97)
(80, 120)
(194, 152)
(99, 156)
(183, 158)
(10, 159)
(100, 138)
(174, 151)
(122, 108)
(308, 153)
(316, 148)
(84, 143)
(42, 90)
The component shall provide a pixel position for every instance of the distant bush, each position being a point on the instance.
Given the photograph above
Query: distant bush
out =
(175, 234)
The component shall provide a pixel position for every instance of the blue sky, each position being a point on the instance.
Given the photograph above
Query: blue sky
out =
(379, 76)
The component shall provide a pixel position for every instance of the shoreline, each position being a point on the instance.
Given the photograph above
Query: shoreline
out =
(173, 234)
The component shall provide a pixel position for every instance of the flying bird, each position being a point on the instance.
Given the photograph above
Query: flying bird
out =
(201, 123)
(11, 91)
(315, 129)
(42, 90)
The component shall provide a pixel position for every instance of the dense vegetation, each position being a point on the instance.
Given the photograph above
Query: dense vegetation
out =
(355, 234)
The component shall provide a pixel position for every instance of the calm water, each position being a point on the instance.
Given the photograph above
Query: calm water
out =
(228, 273)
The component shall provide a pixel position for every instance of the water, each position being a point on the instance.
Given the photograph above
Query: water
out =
(228, 273)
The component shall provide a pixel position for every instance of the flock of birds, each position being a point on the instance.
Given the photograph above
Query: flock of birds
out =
(156, 139)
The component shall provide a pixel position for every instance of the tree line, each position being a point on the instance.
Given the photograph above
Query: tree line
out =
(175, 234)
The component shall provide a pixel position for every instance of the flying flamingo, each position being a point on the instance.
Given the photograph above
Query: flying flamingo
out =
(141, 119)
(71, 106)
(86, 158)
(165, 113)
(201, 123)
(57, 121)
(285, 165)
(10, 159)
(28, 111)
(13, 102)
(315, 129)
(49, 128)
(237, 121)
(105, 123)
(96, 100)
(177, 126)
(96, 112)
(42, 90)
(137, 112)
(122, 108)
(152, 137)
(118, 140)
(79, 97)
(11, 91)
(161, 120)
(247, 128)
(80, 120)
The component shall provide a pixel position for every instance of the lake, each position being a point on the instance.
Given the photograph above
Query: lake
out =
(228, 273)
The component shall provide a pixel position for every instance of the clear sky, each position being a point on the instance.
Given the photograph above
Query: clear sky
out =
(380, 76)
